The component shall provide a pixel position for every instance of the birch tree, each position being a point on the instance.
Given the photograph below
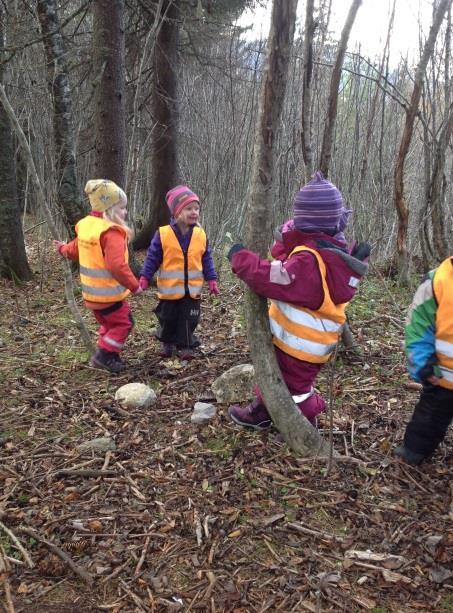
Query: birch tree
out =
(68, 189)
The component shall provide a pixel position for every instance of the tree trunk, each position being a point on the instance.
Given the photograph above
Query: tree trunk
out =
(296, 430)
(165, 115)
(68, 190)
(438, 186)
(411, 112)
(13, 259)
(110, 130)
(307, 128)
(326, 150)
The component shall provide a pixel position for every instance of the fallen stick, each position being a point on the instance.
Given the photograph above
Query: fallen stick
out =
(9, 606)
(68, 472)
(18, 544)
(80, 572)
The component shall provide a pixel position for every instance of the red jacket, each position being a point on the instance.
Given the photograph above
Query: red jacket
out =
(112, 243)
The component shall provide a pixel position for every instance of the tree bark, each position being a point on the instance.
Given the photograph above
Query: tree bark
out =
(110, 128)
(411, 112)
(68, 189)
(296, 430)
(326, 150)
(307, 128)
(165, 115)
(13, 258)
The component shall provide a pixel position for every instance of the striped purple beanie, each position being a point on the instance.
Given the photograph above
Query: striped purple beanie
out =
(179, 197)
(318, 206)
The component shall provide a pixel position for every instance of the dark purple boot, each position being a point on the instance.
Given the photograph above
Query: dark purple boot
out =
(254, 415)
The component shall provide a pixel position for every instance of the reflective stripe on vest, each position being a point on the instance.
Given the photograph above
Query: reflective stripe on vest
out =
(180, 272)
(443, 292)
(98, 284)
(304, 333)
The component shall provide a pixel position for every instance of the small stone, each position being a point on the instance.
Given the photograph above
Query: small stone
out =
(135, 396)
(235, 385)
(202, 413)
(97, 445)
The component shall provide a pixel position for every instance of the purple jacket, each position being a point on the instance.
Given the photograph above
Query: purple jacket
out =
(297, 280)
(154, 255)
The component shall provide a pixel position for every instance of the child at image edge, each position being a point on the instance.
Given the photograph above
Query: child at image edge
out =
(429, 350)
(181, 256)
(309, 285)
(101, 249)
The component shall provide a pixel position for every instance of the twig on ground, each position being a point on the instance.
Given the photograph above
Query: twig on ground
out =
(80, 572)
(18, 544)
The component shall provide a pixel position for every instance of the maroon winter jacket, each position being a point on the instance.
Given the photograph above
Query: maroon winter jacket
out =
(297, 280)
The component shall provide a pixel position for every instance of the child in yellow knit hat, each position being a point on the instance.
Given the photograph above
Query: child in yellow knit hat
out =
(101, 248)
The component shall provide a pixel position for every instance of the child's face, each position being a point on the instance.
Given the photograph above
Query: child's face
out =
(120, 210)
(189, 214)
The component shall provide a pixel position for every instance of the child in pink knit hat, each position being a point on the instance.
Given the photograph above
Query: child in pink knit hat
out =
(180, 255)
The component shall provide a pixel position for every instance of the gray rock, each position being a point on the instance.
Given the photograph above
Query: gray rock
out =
(97, 445)
(202, 413)
(135, 396)
(235, 385)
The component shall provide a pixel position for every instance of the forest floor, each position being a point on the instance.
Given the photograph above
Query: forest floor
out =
(212, 518)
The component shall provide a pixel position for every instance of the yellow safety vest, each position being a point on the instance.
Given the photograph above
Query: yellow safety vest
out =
(98, 285)
(305, 334)
(181, 271)
(443, 292)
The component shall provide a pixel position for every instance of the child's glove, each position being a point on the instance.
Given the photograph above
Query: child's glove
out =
(430, 373)
(234, 249)
(213, 288)
(144, 283)
(58, 246)
(361, 251)
(138, 290)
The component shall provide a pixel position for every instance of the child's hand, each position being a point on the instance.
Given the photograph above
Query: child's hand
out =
(234, 249)
(144, 283)
(138, 290)
(213, 288)
(58, 245)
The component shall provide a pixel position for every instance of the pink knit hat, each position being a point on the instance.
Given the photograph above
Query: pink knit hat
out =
(179, 197)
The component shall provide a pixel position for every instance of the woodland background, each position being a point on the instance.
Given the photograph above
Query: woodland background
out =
(151, 93)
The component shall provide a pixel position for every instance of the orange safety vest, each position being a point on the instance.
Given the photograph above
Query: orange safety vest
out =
(180, 271)
(305, 334)
(98, 284)
(443, 293)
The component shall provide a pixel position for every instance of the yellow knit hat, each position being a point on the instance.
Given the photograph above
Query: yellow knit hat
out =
(103, 194)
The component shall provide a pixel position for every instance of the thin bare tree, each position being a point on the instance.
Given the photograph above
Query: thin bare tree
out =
(327, 140)
(411, 113)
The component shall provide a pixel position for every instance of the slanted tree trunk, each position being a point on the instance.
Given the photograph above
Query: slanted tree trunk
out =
(68, 192)
(297, 431)
(13, 259)
(110, 128)
(326, 150)
(411, 112)
(165, 115)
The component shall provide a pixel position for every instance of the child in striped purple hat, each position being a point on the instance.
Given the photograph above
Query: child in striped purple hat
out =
(318, 207)
(309, 284)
